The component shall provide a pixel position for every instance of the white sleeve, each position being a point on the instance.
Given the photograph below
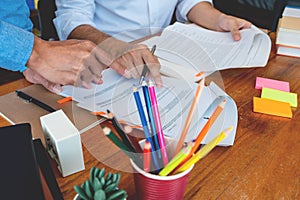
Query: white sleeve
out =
(184, 6)
(72, 13)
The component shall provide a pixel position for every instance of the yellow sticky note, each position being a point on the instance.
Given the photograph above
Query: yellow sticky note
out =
(279, 95)
(271, 107)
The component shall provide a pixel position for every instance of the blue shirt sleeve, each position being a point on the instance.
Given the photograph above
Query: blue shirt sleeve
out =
(15, 47)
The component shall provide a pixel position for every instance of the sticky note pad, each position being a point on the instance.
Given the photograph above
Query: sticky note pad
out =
(271, 107)
(278, 95)
(271, 83)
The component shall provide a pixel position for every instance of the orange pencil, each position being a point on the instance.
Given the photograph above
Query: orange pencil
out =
(204, 131)
(207, 126)
(190, 116)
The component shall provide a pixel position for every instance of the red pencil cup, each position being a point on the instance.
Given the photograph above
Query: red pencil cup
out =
(150, 186)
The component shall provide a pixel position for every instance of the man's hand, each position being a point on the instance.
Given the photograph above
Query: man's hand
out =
(131, 63)
(66, 62)
(33, 77)
(125, 58)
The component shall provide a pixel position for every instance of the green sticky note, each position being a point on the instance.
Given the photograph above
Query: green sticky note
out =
(279, 95)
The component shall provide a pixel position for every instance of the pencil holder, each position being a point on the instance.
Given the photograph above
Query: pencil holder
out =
(151, 186)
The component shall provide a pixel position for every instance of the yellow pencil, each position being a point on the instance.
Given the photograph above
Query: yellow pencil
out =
(204, 150)
(178, 158)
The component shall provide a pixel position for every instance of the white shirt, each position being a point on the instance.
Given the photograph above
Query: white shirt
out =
(126, 20)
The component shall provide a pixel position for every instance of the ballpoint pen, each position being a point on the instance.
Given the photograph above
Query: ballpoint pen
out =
(145, 69)
(34, 101)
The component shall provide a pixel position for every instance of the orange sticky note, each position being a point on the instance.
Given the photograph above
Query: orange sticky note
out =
(272, 107)
(64, 100)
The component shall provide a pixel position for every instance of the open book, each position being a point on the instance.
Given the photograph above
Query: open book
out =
(187, 49)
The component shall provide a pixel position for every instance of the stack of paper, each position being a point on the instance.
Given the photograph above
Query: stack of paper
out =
(276, 98)
(288, 33)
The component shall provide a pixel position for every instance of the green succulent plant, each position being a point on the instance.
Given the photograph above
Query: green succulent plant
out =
(101, 187)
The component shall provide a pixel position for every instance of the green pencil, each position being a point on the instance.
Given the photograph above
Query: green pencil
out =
(119, 143)
(112, 136)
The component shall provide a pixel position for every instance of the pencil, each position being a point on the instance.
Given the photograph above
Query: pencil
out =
(159, 130)
(204, 131)
(112, 136)
(147, 156)
(133, 140)
(207, 126)
(145, 124)
(145, 68)
(204, 150)
(190, 116)
(151, 117)
(120, 131)
(177, 159)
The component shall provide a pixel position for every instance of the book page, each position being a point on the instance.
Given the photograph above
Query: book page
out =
(205, 50)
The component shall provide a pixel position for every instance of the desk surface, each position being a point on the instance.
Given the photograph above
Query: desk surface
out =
(264, 161)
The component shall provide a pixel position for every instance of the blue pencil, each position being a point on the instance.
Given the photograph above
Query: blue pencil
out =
(144, 124)
(151, 117)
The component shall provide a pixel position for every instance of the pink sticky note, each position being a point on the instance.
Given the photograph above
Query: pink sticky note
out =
(271, 83)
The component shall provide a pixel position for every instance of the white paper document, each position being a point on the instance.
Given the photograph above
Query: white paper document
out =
(197, 49)
(174, 100)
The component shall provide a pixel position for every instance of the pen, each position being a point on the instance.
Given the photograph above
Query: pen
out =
(145, 69)
(35, 101)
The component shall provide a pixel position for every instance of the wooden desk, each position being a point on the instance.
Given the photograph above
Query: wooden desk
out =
(264, 161)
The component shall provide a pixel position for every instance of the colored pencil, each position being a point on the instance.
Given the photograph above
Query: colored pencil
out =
(120, 130)
(145, 124)
(207, 126)
(177, 159)
(158, 123)
(151, 117)
(147, 156)
(115, 139)
(204, 150)
(190, 115)
(204, 131)
(133, 140)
